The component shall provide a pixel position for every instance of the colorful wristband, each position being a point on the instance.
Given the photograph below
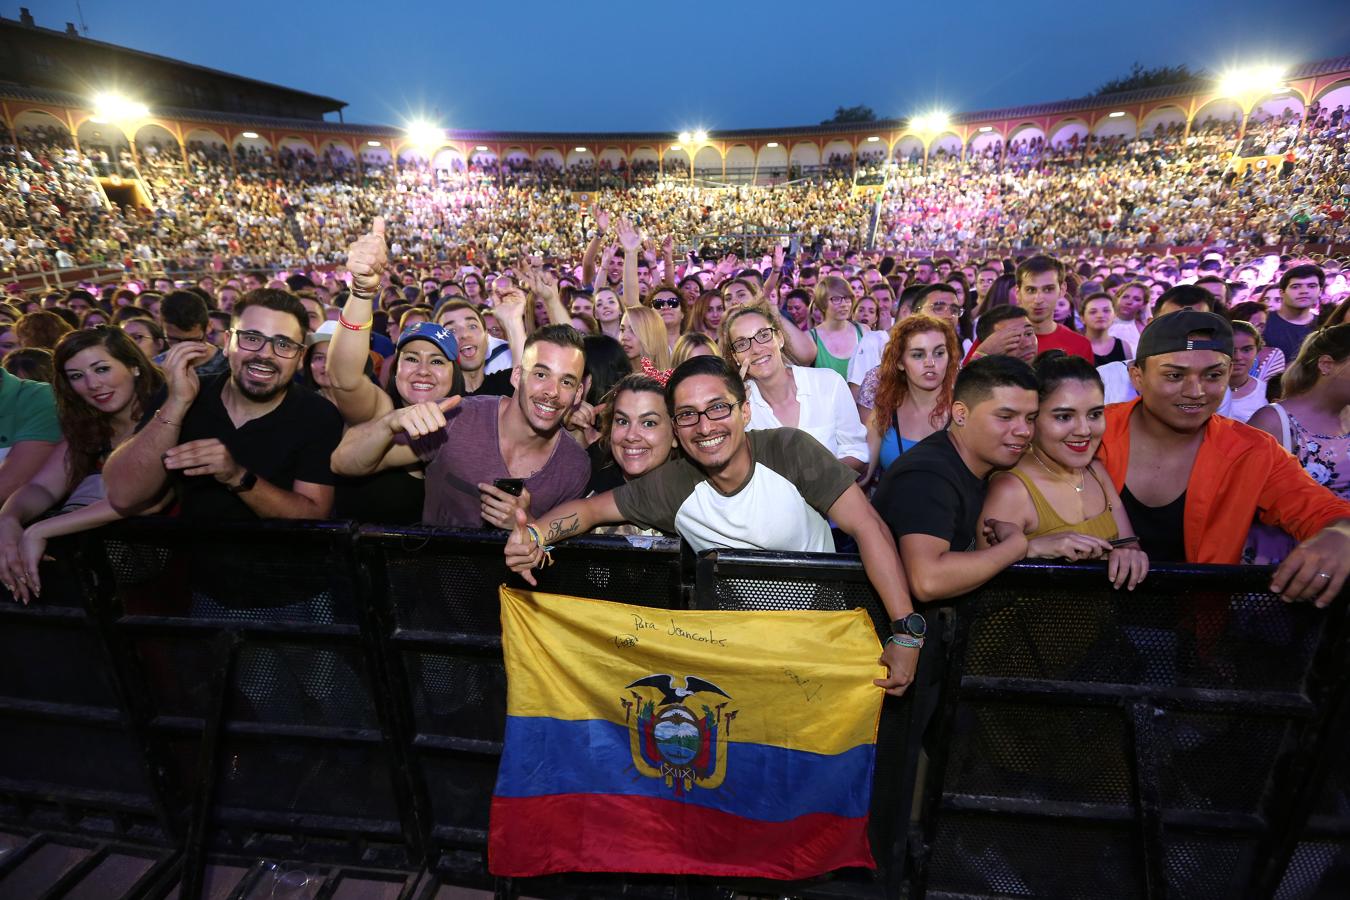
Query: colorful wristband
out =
(350, 327)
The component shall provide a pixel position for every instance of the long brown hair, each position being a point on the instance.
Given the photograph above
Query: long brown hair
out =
(1302, 375)
(893, 386)
(88, 431)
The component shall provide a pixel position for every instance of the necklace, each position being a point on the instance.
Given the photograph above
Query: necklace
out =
(1082, 478)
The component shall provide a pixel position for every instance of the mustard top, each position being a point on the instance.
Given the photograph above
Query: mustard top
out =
(1049, 521)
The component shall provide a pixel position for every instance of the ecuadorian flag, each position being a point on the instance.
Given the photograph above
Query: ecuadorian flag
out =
(699, 743)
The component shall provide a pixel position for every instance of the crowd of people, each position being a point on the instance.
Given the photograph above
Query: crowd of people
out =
(480, 349)
(212, 210)
(943, 417)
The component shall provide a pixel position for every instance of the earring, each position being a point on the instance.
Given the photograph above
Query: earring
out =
(136, 373)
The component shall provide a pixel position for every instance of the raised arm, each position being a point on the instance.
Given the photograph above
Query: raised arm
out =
(525, 547)
(593, 248)
(631, 241)
(134, 475)
(358, 398)
(799, 344)
(510, 310)
(538, 282)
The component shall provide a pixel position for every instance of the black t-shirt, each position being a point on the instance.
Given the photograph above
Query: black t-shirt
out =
(1117, 353)
(291, 443)
(495, 384)
(1161, 529)
(930, 490)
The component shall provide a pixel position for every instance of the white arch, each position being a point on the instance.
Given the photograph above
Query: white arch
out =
(948, 143)
(612, 157)
(1166, 116)
(805, 154)
(740, 157)
(837, 147)
(1066, 131)
(449, 159)
(1120, 126)
(983, 140)
(1222, 109)
(1335, 94)
(908, 147)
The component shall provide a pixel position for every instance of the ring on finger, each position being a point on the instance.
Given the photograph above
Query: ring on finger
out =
(1324, 575)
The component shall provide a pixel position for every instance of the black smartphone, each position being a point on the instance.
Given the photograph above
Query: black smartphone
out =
(512, 486)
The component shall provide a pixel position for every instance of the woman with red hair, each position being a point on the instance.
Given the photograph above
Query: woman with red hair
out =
(911, 391)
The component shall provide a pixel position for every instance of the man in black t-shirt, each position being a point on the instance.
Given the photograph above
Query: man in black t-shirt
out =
(932, 496)
(465, 321)
(246, 444)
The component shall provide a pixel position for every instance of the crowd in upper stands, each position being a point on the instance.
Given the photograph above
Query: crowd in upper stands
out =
(292, 337)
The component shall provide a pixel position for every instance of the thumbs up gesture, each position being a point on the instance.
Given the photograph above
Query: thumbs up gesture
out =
(523, 553)
(367, 258)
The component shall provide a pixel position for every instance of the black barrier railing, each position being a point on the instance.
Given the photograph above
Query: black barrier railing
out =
(336, 696)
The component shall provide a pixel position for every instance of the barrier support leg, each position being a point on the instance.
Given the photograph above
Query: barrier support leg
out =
(194, 855)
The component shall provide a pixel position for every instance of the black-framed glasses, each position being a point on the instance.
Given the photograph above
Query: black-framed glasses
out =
(665, 303)
(715, 413)
(763, 336)
(253, 341)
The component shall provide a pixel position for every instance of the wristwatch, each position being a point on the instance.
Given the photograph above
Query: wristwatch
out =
(245, 484)
(913, 625)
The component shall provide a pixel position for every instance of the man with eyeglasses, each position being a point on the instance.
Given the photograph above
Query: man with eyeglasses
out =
(185, 318)
(247, 443)
(775, 489)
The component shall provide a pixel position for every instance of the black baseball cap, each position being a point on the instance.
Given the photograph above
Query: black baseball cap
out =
(1174, 332)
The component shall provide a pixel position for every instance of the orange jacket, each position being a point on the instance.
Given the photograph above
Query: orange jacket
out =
(1240, 473)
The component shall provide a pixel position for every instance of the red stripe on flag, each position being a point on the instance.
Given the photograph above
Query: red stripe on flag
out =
(544, 835)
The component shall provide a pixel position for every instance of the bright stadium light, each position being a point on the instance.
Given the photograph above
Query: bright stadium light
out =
(700, 136)
(110, 107)
(771, 144)
(372, 143)
(873, 139)
(985, 129)
(251, 135)
(423, 134)
(1253, 80)
(684, 137)
(581, 149)
(1115, 115)
(931, 123)
(480, 149)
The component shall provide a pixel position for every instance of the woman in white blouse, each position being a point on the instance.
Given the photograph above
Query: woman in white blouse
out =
(816, 401)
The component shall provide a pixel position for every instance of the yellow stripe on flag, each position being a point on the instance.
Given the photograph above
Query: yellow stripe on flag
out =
(795, 679)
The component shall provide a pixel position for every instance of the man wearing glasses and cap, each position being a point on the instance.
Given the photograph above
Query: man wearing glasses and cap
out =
(244, 444)
(1192, 482)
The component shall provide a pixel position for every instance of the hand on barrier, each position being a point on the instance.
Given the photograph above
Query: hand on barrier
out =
(367, 258)
(1067, 546)
(1316, 569)
(421, 420)
(1126, 566)
(523, 552)
(19, 558)
(900, 663)
(499, 508)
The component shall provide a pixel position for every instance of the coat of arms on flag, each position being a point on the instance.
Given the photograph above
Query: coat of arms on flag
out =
(630, 730)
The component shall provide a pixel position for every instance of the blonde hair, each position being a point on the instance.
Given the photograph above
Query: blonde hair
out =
(650, 329)
(687, 343)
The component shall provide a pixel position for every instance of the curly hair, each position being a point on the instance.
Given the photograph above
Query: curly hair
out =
(87, 431)
(41, 329)
(893, 387)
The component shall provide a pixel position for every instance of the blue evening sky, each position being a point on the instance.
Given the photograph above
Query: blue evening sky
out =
(667, 66)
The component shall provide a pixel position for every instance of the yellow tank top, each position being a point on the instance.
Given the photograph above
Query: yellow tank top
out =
(1049, 521)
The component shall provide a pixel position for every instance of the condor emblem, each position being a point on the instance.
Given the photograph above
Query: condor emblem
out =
(672, 742)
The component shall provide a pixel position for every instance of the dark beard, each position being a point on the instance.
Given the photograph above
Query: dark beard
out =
(254, 394)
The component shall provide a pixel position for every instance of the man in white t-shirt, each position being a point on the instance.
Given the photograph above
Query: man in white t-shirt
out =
(776, 489)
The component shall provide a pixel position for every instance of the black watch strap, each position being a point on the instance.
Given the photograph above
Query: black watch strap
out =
(245, 484)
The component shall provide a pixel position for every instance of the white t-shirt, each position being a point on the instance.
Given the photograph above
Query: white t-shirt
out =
(499, 362)
(867, 355)
(782, 506)
(1128, 334)
(827, 413)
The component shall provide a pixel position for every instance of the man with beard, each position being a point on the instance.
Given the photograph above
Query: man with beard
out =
(470, 444)
(243, 444)
(775, 489)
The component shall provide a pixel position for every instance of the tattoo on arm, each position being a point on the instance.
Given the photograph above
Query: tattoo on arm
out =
(562, 528)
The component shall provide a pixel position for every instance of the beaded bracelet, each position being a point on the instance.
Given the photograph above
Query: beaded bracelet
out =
(909, 642)
(350, 327)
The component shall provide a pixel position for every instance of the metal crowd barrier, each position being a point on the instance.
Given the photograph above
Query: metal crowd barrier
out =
(199, 710)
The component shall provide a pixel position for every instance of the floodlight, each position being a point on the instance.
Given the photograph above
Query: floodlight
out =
(700, 136)
(251, 135)
(684, 137)
(581, 149)
(480, 149)
(1115, 115)
(423, 134)
(931, 123)
(372, 143)
(873, 139)
(985, 129)
(771, 144)
(1251, 80)
(109, 107)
